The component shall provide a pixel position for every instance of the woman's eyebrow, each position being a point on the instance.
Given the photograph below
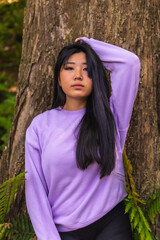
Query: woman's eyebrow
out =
(74, 63)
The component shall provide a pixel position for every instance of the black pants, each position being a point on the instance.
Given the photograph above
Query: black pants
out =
(114, 225)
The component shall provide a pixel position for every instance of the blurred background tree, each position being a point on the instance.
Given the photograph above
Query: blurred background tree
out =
(11, 25)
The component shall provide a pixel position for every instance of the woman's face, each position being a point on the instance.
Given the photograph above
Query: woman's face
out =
(74, 78)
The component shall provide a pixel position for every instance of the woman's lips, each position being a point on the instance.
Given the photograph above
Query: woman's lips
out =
(78, 85)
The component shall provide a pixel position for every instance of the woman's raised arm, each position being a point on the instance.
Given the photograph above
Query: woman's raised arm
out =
(124, 67)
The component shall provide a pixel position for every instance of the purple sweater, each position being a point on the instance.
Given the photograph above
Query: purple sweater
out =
(59, 196)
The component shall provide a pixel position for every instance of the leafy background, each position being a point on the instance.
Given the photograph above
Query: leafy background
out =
(11, 25)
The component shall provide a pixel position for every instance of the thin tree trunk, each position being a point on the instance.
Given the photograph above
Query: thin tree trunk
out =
(49, 25)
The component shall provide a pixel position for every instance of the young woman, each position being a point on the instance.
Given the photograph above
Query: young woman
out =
(73, 152)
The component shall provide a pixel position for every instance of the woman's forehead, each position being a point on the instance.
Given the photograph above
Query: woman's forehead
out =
(77, 57)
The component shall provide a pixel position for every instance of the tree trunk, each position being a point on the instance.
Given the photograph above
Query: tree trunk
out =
(49, 25)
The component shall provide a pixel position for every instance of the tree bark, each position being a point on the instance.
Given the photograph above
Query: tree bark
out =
(49, 25)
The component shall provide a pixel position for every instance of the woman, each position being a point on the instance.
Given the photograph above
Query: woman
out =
(75, 178)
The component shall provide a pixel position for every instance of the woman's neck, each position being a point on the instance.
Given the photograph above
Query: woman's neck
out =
(74, 105)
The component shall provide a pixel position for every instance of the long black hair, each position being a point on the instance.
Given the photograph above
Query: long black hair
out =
(96, 135)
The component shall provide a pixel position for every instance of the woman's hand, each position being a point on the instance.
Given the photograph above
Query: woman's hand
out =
(78, 39)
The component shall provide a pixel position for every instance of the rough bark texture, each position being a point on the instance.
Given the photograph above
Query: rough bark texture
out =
(49, 25)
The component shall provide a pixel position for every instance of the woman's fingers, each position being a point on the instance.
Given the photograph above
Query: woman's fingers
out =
(77, 39)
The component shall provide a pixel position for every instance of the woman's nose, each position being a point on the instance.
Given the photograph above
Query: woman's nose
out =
(78, 74)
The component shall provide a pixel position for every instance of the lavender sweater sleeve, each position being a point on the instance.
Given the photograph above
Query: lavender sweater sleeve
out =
(36, 189)
(124, 69)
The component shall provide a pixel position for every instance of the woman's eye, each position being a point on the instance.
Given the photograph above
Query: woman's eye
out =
(68, 68)
(85, 69)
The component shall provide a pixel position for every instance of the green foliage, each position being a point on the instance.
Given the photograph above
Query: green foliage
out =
(11, 25)
(19, 227)
(137, 214)
(7, 191)
(153, 206)
(6, 115)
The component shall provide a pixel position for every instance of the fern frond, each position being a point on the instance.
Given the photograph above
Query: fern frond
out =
(128, 206)
(3, 228)
(7, 191)
(139, 223)
(19, 228)
(136, 221)
(143, 219)
(132, 213)
(128, 175)
(153, 206)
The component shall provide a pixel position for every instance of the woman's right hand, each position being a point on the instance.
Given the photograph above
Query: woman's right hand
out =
(78, 39)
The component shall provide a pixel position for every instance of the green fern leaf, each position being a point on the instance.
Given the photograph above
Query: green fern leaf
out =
(154, 206)
(23, 227)
(14, 222)
(140, 227)
(136, 221)
(17, 237)
(136, 235)
(4, 229)
(148, 236)
(19, 224)
(133, 213)
(142, 235)
(7, 191)
(139, 223)
(144, 219)
(22, 223)
(128, 207)
(28, 225)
